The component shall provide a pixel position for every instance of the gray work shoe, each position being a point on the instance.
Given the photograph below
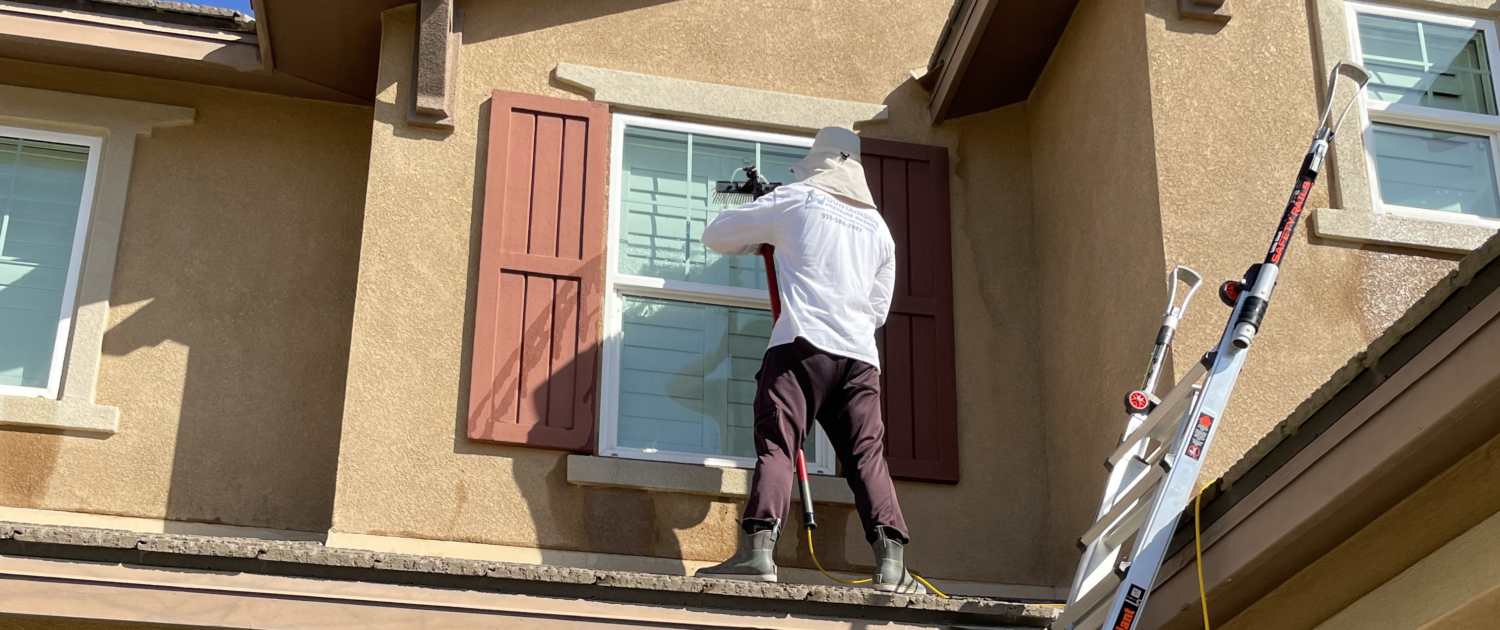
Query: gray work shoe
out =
(753, 561)
(891, 575)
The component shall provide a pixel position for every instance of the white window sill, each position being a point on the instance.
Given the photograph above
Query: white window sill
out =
(1382, 228)
(617, 472)
(69, 414)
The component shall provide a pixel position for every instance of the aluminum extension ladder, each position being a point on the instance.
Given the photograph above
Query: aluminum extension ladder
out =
(1154, 469)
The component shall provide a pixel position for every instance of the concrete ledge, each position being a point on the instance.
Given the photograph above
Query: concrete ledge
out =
(616, 472)
(1382, 228)
(70, 414)
(715, 102)
(82, 546)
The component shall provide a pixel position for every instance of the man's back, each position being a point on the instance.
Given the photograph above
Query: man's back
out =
(836, 262)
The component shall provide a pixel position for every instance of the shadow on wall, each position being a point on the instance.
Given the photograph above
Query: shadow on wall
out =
(245, 286)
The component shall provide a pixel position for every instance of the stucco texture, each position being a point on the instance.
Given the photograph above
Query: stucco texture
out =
(1234, 108)
(406, 468)
(1099, 262)
(231, 303)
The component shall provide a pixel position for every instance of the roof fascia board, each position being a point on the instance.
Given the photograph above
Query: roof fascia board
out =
(957, 63)
(115, 35)
(263, 35)
(1374, 442)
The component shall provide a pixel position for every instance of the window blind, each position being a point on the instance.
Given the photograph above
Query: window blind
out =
(41, 190)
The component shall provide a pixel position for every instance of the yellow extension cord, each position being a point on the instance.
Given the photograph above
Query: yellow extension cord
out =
(1198, 545)
(864, 581)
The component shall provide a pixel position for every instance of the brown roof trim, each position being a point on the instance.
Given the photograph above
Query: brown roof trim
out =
(992, 53)
(313, 560)
(950, 58)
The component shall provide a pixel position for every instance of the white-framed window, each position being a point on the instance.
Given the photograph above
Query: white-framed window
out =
(46, 195)
(1431, 125)
(684, 328)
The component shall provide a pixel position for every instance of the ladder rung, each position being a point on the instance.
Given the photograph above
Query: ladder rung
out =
(1094, 598)
(1128, 525)
(1129, 500)
(1171, 408)
(1094, 620)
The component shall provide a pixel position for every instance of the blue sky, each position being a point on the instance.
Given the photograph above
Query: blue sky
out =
(243, 6)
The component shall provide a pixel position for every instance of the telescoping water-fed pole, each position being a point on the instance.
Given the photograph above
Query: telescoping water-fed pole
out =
(809, 522)
(1138, 405)
(1164, 451)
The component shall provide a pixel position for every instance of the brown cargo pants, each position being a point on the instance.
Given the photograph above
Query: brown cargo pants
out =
(798, 381)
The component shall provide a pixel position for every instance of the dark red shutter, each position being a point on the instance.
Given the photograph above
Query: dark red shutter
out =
(919, 395)
(541, 273)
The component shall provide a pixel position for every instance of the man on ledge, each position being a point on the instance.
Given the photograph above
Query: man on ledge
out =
(837, 266)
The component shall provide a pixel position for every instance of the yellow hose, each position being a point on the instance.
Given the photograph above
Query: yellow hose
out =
(828, 575)
(1198, 543)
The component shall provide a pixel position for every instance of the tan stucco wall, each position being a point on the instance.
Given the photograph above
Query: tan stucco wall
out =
(407, 470)
(228, 333)
(1235, 108)
(1099, 252)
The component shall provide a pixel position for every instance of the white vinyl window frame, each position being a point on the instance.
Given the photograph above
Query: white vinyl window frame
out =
(1376, 111)
(95, 145)
(618, 285)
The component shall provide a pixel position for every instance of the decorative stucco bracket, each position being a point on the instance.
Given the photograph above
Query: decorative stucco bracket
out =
(1207, 10)
(435, 64)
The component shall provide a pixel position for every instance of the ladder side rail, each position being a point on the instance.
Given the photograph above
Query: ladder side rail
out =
(1184, 391)
(1191, 443)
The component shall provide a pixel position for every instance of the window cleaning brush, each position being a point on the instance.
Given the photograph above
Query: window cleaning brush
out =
(734, 193)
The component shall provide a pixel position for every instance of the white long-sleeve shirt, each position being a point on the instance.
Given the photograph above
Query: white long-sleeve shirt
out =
(836, 264)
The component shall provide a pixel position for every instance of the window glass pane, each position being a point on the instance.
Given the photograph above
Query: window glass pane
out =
(1421, 63)
(668, 186)
(1436, 170)
(41, 187)
(687, 377)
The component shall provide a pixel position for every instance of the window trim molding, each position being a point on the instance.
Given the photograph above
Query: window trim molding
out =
(616, 285)
(714, 102)
(1354, 186)
(95, 145)
(116, 124)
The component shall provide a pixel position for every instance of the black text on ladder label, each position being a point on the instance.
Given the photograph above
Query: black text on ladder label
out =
(1200, 436)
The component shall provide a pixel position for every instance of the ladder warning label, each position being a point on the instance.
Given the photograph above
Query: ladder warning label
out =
(1131, 608)
(1200, 436)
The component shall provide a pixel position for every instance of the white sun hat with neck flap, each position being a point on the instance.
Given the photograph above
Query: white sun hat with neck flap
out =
(833, 165)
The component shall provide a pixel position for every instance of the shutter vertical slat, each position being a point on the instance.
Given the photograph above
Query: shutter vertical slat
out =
(898, 220)
(564, 385)
(924, 389)
(536, 352)
(546, 186)
(537, 312)
(570, 210)
(919, 393)
(898, 425)
(516, 226)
